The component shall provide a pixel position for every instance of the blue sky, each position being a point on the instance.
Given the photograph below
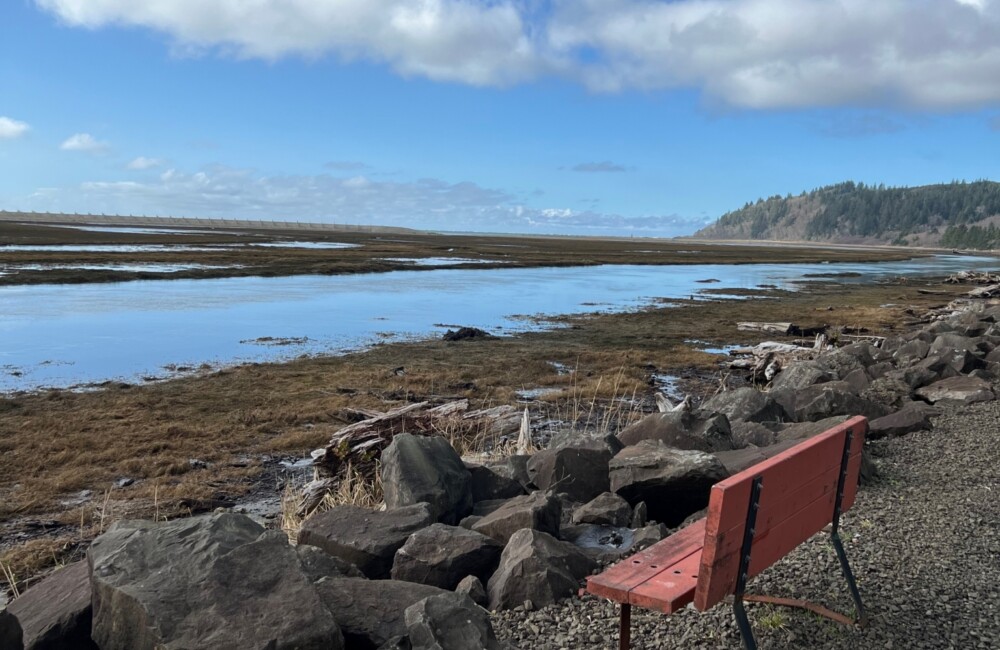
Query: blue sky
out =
(589, 117)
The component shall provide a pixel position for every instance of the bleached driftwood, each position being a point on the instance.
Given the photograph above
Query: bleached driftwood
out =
(770, 328)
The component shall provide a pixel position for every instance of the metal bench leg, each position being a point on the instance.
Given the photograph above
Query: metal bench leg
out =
(625, 627)
(742, 622)
(741, 579)
(835, 532)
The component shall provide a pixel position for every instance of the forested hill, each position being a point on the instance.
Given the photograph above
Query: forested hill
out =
(954, 215)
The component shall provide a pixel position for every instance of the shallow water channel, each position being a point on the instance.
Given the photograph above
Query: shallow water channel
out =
(68, 335)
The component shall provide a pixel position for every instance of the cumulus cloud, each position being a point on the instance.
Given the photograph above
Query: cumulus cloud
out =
(345, 165)
(761, 54)
(10, 128)
(84, 142)
(432, 204)
(143, 163)
(599, 167)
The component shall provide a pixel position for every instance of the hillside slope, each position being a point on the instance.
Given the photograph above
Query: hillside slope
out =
(959, 215)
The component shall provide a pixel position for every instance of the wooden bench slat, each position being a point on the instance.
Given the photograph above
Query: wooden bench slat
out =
(616, 583)
(796, 502)
(669, 590)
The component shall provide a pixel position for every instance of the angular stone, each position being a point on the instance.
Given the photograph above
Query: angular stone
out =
(877, 370)
(640, 515)
(216, 581)
(488, 484)
(449, 622)
(588, 439)
(956, 342)
(751, 433)
(673, 482)
(910, 352)
(441, 555)
(802, 374)
(826, 400)
(698, 430)
(857, 380)
(371, 612)
(514, 467)
(803, 430)
(10, 631)
(907, 420)
(961, 390)
(607, 509)
(318, 564)
(368, 539)
(56, 612)
(649, 535)
(539, 511)
(536, 566)
(847, 359)
(417, 469)
(473, 587)
(605, 544)
(747, 404)
(578, 472)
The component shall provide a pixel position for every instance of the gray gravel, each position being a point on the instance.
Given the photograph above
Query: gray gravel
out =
(924, 542)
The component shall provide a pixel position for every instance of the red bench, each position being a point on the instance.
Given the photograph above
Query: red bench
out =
(754, 519)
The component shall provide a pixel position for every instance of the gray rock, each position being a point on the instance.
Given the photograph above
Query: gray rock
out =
(449, 622)
(483, 508)
(649, 535)
(963, 390)
(857, 380)
(803, 430)
(441, 555)
(470, 521)
(473, 587)
(738, 460)
(368, 539)
(397, 643)
(890, 389)
(911, 352)
(418, 469)
(825, 400)
(912, 417)
(751, 433)
(578, 472)
(640, 515)
(673, 482)
(747, 404)
(371, 612)
(216, 581)
(514, 467)
(802, 374)
(539, 511)
(10, 631)
(957, 342)
(607, 509)
(879, 369)
(488, 484)
(698, 430)
(847, 359)
(588, 439)
(318, 564)
(56, 612)
(536, 566)
(605, 544)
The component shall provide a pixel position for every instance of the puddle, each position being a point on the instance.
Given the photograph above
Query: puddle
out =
(530, 394)
(711, 348)
(668, 385)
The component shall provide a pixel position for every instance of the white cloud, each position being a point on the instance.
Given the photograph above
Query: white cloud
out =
(426, 203)
(10, 128)
(84, 142)
(759, 54)
(143, 163)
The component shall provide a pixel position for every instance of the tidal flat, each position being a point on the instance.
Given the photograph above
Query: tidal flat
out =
(71, 462)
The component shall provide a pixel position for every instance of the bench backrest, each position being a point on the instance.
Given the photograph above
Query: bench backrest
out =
(797, 499)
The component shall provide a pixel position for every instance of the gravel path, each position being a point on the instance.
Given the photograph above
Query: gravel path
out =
(924, 542)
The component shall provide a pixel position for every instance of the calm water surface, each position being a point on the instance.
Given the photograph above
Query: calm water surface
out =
(65, 335)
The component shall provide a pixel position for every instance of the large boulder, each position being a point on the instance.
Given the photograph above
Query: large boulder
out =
(538, 567)
(370, 612)
(591, 439)
(915, 416)
(957, 342)
(747, 404)
(318, 564)
(605, 544)
(957, 390)
(826, 400)
(538, 510)
(217, 581)
(802, 374)
(578, 472)
(803, 430)
(368, 539)
(607, 509)
(56, 612)
(487, 484)
(673, 482)
(698, 430)
(738, 460)
(441, 555)
(845, 360)
(449, 622)
(752, 433)
(10, 631)
(910, 352)
(417, 469)
(473, 587)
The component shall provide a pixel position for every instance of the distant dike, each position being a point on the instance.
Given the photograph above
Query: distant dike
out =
(960, 215)
(189, 222)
